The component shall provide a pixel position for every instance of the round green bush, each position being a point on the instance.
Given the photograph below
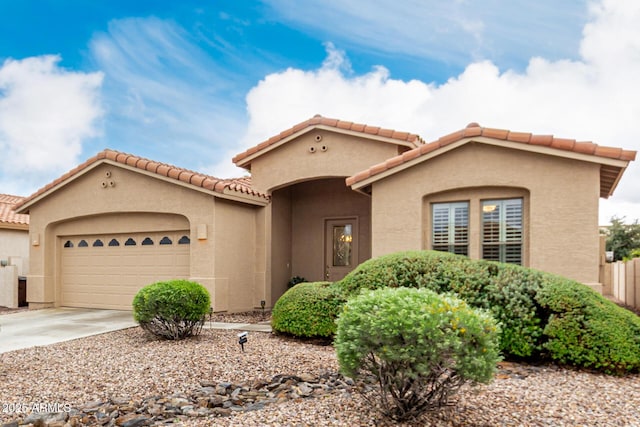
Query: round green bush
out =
(586, 329)
(411, 269)
(174, 309)
(308, 309)
(420, 347)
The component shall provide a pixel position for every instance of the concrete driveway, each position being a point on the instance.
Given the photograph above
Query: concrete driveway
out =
(42, 327)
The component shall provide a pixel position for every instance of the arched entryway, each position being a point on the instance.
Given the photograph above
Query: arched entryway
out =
(320, 230)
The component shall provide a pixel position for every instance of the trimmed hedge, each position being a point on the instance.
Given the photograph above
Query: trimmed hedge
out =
(507, 291)
(308, 309)
(542, 316)
(174, 309)
(585, 329)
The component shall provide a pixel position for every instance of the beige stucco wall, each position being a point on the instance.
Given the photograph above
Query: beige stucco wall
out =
(279, 237)
(235, 259)
(293, 162)
(14, 246)
(139, 202)
(560, 201)
(14, 252)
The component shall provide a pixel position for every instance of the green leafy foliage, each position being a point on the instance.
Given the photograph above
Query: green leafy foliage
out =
(634, 253)
(308, 309)
(585, 329)
(402, 269)
(623, 238)
(419, 346)
(173, 309)
(507, 291)
(510, 296)
(542, 316)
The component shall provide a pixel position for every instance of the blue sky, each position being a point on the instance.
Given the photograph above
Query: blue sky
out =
(194, 82)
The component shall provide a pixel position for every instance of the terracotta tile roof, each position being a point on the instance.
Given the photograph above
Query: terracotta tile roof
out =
(8, 216)
(241, 186)
(609, 175)
(405, 138)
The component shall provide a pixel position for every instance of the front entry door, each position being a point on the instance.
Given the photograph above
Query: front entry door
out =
(341, 247)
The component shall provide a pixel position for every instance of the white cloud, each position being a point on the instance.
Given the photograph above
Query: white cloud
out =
(594, 97)
(453, 32)
(46, 113)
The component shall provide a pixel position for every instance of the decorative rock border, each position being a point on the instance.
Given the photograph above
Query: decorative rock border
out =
(212, 399)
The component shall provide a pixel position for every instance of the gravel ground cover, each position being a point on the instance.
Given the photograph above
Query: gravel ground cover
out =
(129, 366)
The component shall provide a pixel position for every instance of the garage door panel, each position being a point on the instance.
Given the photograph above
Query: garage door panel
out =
(109, 276)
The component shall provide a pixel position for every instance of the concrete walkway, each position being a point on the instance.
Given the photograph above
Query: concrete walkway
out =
(48, 326)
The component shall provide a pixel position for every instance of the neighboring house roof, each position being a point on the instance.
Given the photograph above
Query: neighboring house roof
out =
(613, 160)
(405, 139)
(8, 216)
(236, 188)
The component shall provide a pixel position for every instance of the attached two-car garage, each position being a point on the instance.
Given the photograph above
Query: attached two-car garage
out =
(118, 222)
(107, 270)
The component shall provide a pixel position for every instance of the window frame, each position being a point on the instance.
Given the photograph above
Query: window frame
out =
(452, 244)
(505, 238)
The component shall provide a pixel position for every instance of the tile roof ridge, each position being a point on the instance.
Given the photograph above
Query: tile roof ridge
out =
(7, 198)
(319, 120)
(198, 179)
(8, 213)
(194, 178)
(473, 129)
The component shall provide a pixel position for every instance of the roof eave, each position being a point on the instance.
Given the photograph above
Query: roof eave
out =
(225, 194)
(23, 208)
(608, 192)
(405, 165)
(400, 166)
(13, 226)
(245, 162)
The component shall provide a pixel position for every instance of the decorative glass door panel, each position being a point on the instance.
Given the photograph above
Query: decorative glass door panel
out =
(342, 241)
(341, 247)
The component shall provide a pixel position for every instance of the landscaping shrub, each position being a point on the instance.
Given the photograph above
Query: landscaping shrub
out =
(308, 309)
(415, 269)
(174, 309)
(542, 316)
(510, 296)
(586, 329)
(506, 290)
(419, 346)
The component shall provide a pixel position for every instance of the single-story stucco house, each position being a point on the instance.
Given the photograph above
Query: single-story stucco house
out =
(323, 196)
(14, 251)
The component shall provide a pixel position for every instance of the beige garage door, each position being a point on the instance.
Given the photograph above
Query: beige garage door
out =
(106, 271)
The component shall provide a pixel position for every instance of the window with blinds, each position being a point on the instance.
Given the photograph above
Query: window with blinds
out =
(502, 230)
(450, 227)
